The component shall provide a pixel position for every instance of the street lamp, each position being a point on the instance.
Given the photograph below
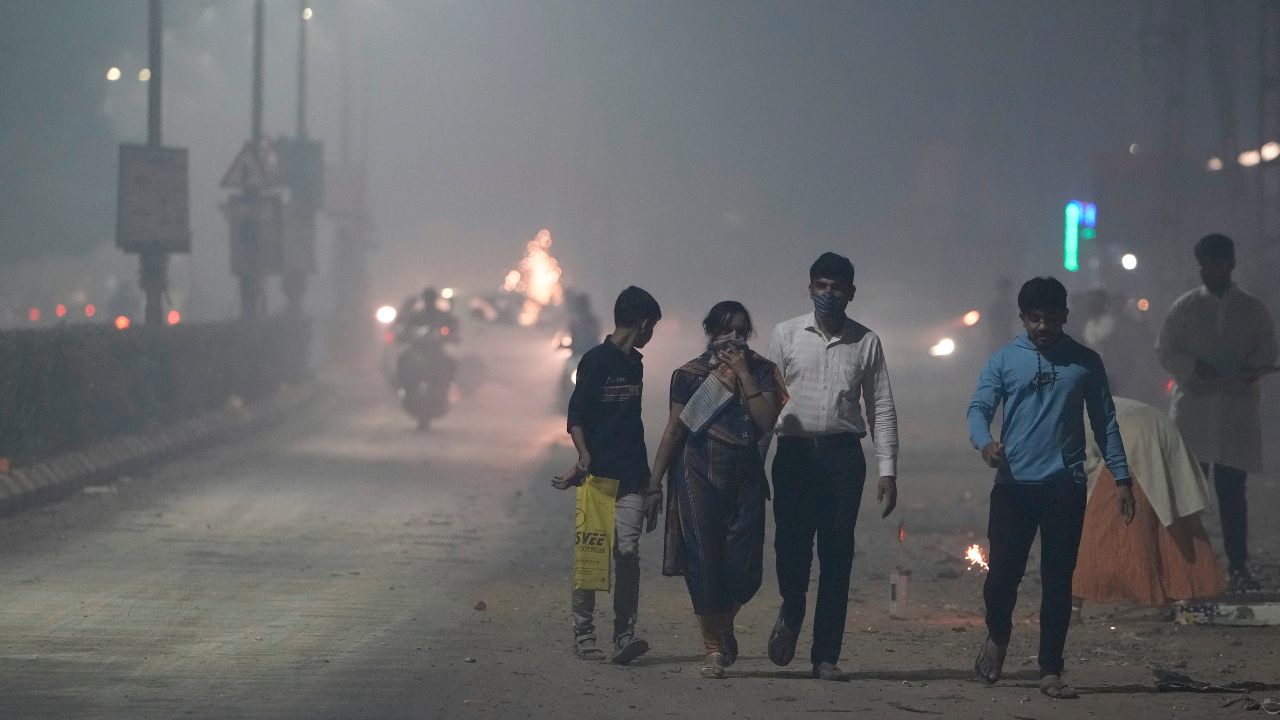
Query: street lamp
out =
(1129, 261)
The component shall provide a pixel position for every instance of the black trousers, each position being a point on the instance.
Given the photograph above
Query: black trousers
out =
(1233, 508)
(816, 492)
(1018, 511)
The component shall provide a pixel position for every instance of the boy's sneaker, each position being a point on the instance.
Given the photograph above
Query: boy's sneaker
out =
(584, 646)
(628, 648)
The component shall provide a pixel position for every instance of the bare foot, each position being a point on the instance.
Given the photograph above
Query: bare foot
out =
(990, 663)
(1057, 688)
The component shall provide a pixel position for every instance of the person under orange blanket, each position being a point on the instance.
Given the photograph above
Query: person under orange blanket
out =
(1164, 555)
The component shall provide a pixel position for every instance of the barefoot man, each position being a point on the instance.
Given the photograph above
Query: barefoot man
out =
(1047, 382)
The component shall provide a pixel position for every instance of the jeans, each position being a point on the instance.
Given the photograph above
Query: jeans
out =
(1233, 508)
(817, 491)
(1018, 511)
(627, 525)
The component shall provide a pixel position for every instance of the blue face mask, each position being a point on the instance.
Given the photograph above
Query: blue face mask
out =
(828, 305)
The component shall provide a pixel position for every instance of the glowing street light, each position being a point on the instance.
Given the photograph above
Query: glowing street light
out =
(447, 293)
(945, 346)
(144, 75)
(972, 317)
(1249, 158)
(306, 13)
(386, 314)
(1270, 151)
(1143, 305)
(122, 322)
(1214, 164)
(1129, 261)
(113, 74)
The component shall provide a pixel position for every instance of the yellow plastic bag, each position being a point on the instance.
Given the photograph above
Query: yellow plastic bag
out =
(593, 543)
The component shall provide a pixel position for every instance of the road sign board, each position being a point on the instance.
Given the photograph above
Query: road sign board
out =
(152, 206)
(256, 167)
(304, 169)
(257, 228)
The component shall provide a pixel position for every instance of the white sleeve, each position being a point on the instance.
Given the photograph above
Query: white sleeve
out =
(882, 416)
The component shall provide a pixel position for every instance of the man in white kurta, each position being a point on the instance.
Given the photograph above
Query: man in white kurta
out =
(1217, 341)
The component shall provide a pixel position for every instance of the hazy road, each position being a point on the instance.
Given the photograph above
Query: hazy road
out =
(329, 569)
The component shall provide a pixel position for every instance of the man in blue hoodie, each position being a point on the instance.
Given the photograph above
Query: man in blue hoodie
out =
(1047, 382)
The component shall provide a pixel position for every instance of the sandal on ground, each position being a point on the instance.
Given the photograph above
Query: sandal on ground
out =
(584, 646)
(989, 665)
(729, 646)
(1055, 687)
(713, 666)
(627, 648)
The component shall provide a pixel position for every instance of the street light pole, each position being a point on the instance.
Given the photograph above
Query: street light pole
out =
(153, 270)
(251, 281)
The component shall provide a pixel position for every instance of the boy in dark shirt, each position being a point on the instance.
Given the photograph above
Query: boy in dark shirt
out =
(604, 421)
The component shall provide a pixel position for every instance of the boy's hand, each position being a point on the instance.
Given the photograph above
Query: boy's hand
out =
(652, 506)
(888, 488)
(574, 475)
(1127, 506)
(993, 454)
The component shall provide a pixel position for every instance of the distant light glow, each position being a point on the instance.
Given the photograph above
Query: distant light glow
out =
(444, 330)
(113, 74)
(388, 337)
(1071, 240)
(1129, 261)
(945, 346)
(306, 13)
(1249, 158)
(122, 322)
(60, 310)
(386, 314)
(537, 277)
(1214, 164)
(1270, 151)
(145, 74)
(447, 293)
(1143, 305)
(1090, 215)
(89, 310)
(972, 317)
(175, 317)
(1133, 149)
(33, 314)
(1169, 388)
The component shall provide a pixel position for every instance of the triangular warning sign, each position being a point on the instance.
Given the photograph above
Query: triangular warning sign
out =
(246, 171)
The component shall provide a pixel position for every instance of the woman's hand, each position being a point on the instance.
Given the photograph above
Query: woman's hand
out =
(736, 360)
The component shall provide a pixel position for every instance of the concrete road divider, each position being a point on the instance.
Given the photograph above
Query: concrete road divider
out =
(100, 463)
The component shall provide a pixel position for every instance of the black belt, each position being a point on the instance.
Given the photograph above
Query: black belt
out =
(822, 441)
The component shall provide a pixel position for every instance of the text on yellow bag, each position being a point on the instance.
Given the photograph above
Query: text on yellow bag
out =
(593, 543)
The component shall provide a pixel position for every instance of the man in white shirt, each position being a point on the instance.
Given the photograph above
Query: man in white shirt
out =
(832, 366)
(1217, 342)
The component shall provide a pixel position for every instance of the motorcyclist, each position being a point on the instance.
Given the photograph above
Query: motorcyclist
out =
(424, 312)
(424, 369)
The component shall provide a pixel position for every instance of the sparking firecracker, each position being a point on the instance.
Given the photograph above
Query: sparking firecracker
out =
(975, 558)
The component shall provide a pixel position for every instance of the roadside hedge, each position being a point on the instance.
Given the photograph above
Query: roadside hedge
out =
(65, 387)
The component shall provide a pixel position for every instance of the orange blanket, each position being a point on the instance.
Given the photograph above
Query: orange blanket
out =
(1145, 562)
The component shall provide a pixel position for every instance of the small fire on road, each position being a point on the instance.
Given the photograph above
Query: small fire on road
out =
(975, 558)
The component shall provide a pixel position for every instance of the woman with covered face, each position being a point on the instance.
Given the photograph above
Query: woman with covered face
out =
(723, 403)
